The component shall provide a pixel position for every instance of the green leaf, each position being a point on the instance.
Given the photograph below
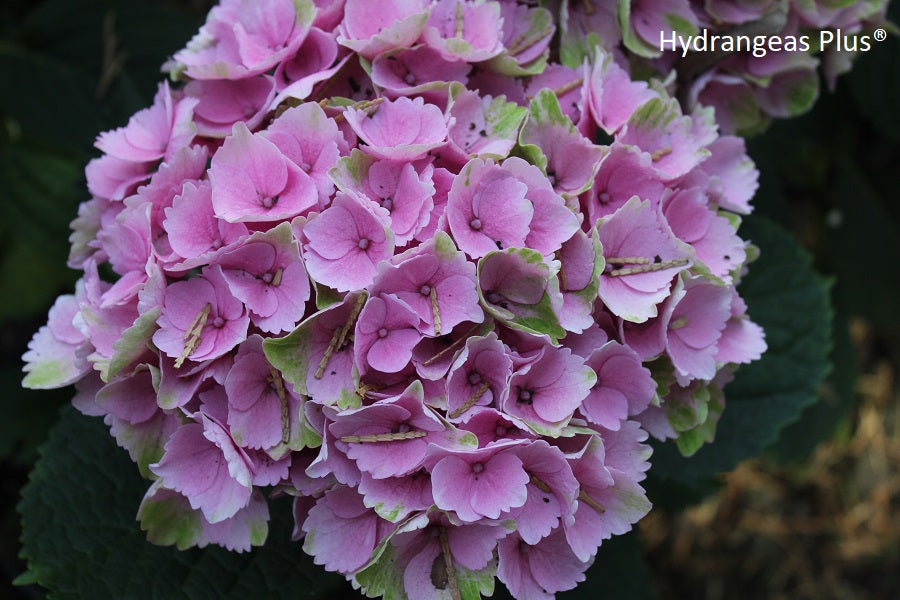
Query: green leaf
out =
(790, 301)
(81, 540)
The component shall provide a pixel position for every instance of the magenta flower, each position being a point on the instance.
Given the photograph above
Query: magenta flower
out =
(642, 258)
(244, 37)
(253, 181)
(265, 273)
(404, 193)
(479, 483)
(545, 392)
(401, 129)
(201, 319)
(57, 354)
(370, 29)
(345, 243)
(310, 139)
(389, 438)
(385, 334)
(416, 70)
(384, 258)
(552, 490)
(153, 133)
(695, 325)
(742, 340)
(135, 419)
(262, 409)
(341, 532)
(437, 282)
(624, 172)
(713, 237)
(464, 30)
(479, 375)
(624, 387)
(487, 209)
(221, 103)
(676, 143)
(609, 502)
(539, 570)
(483, 126)
(193, 229)
(612, 95)
(203, 463)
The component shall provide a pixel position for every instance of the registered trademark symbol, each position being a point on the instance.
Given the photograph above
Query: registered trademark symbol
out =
(880, 34)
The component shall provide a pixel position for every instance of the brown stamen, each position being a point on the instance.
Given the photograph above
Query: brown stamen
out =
(666, 264)
(541, 485)
(471, 401)
(365, 106)
(363, 390)
(337, 339)
(524, 42)
(276, 280)
(627, 260)
(584, 497)
(278, 382)
(658, 154)
(448, 562)
(383, 437)
(455, 343)
(192, 335)
(434, 307)
(568, 87)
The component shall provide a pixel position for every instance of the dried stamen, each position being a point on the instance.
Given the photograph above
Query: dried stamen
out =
(363, 390)
(627, 260)
(363, 106)
(278, 382)
(584, 497)
(460, 21)
(541, 485)
(523, 42)
(337, 339)
(568, 87)
(678, 323)
(383, 437)
(452, 346)
(658, 154)
(471, 401)
(666, 264)
(434, 309)
(588, 7)
(276, 280)
(192, 335)
(448, 562)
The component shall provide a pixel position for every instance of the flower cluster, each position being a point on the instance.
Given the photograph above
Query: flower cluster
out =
(375, 257)
(747, 86)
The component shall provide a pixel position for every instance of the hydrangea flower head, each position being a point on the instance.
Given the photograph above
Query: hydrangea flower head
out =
(393, 260)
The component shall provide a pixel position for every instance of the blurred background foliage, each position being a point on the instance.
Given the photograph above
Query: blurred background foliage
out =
(825, 498)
